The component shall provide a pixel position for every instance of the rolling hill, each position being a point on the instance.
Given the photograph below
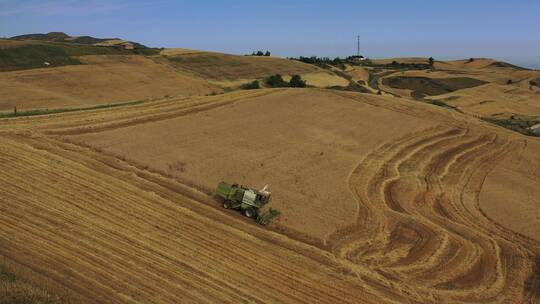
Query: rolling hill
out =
(48, 73)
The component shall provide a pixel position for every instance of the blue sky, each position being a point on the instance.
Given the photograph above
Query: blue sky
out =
(506, 30)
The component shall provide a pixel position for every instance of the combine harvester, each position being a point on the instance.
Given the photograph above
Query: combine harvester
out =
(248, 200)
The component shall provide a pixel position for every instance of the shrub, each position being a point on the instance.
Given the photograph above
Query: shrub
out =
(267, 53)
(471, 60)
(509, 81)
(297, 82)
(431, 61)
(251, 85)
(276, 81)
(260, 53)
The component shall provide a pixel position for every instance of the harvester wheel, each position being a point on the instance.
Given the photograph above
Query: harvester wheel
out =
(250, 212)
(226, 205)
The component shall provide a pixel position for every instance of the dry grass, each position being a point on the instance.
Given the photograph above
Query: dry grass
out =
(216, 66)
(321, 79)
(101, 80)
(21, 293)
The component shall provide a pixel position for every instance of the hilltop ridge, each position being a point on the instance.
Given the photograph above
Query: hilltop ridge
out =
(63, 37)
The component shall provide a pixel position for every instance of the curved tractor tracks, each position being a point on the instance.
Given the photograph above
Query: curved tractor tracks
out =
(419, 221)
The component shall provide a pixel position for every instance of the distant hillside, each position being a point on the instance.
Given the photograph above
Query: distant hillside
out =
(63, 37)
(52, 36)
(59, 49)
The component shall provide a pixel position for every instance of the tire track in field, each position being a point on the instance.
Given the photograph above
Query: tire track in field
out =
(158, 114)
(420, 224)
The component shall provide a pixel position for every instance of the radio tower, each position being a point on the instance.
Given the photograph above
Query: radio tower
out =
(358, 46)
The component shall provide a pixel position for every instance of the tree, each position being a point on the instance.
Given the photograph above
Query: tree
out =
(276, 81)
(509, 81)
(471, 60)
(260, 53)
(267, 53)
(297, 82)
(251, 85)
(431, 61)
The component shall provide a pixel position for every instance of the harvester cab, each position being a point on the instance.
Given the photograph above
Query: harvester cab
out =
(247, 200)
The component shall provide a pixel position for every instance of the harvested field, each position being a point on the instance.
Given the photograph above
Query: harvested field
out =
(293, 143)
(494, 99)
(217, 66)
(101, 80)
(108, 238)
(382, 201)
(510, 193)
(507, 90)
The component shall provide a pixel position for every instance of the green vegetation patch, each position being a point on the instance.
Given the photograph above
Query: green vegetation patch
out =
(424, 86)
(352, 87)
(519, 124)
(322, 62)
(37, 55)
(6, 276)
(34, 56)
(251, 85)
(276, 81)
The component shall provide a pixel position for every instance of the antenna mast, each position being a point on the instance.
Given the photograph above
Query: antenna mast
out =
(358, 47)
